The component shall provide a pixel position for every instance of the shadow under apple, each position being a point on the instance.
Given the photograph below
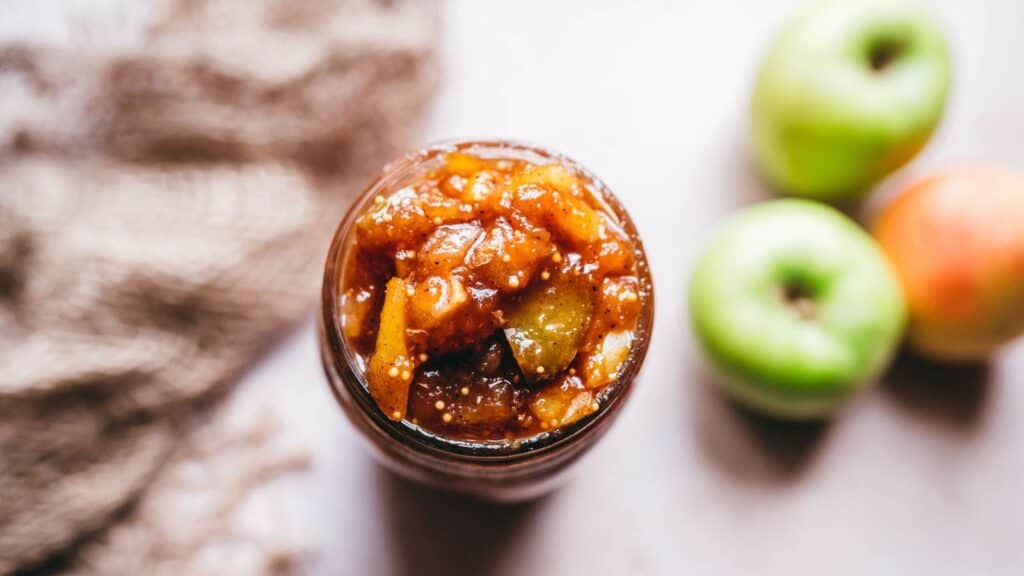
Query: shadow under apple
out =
(746, 446)
(953, 397)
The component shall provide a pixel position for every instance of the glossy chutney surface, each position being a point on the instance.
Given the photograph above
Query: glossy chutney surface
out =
(491, 299)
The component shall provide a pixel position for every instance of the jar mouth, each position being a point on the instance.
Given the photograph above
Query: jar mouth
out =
(350, 366)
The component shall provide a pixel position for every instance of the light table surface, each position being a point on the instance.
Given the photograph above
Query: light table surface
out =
(922, 475)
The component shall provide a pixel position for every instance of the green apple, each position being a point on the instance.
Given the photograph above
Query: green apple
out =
(850, 91)
(796, 308)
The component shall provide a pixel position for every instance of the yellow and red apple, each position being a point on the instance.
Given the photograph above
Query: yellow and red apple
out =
(956, 240)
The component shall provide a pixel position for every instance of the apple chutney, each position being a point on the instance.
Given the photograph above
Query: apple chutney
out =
(484, 300)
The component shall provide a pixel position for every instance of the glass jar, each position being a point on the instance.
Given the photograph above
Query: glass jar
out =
(506, 471)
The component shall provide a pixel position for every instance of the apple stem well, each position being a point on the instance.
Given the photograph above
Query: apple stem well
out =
(883, 52)
(798, 298)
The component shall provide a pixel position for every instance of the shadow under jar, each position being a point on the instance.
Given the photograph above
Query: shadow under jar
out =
(486, 308)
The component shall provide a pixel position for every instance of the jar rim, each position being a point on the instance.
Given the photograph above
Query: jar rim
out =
(610, 398)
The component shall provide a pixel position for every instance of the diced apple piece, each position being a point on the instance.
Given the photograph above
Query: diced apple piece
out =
(391, 367)
(482, 191)
(603, 364)
(570, 217)
(356, 305)
(404, 260)
(464, 164)
(561, 405)
(546, 329)
(507, 257)
(435, 300)
(453, 185)
(613, 251)
(619, 303)
(446, 247)
(554, 176)
(406, 214)
(576, 220)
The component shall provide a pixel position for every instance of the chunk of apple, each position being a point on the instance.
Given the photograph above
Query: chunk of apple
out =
(547, 327)
(391, 366)
(602, 365)
(562, 405)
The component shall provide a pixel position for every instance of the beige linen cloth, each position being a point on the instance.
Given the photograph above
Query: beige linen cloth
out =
(170, 175)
